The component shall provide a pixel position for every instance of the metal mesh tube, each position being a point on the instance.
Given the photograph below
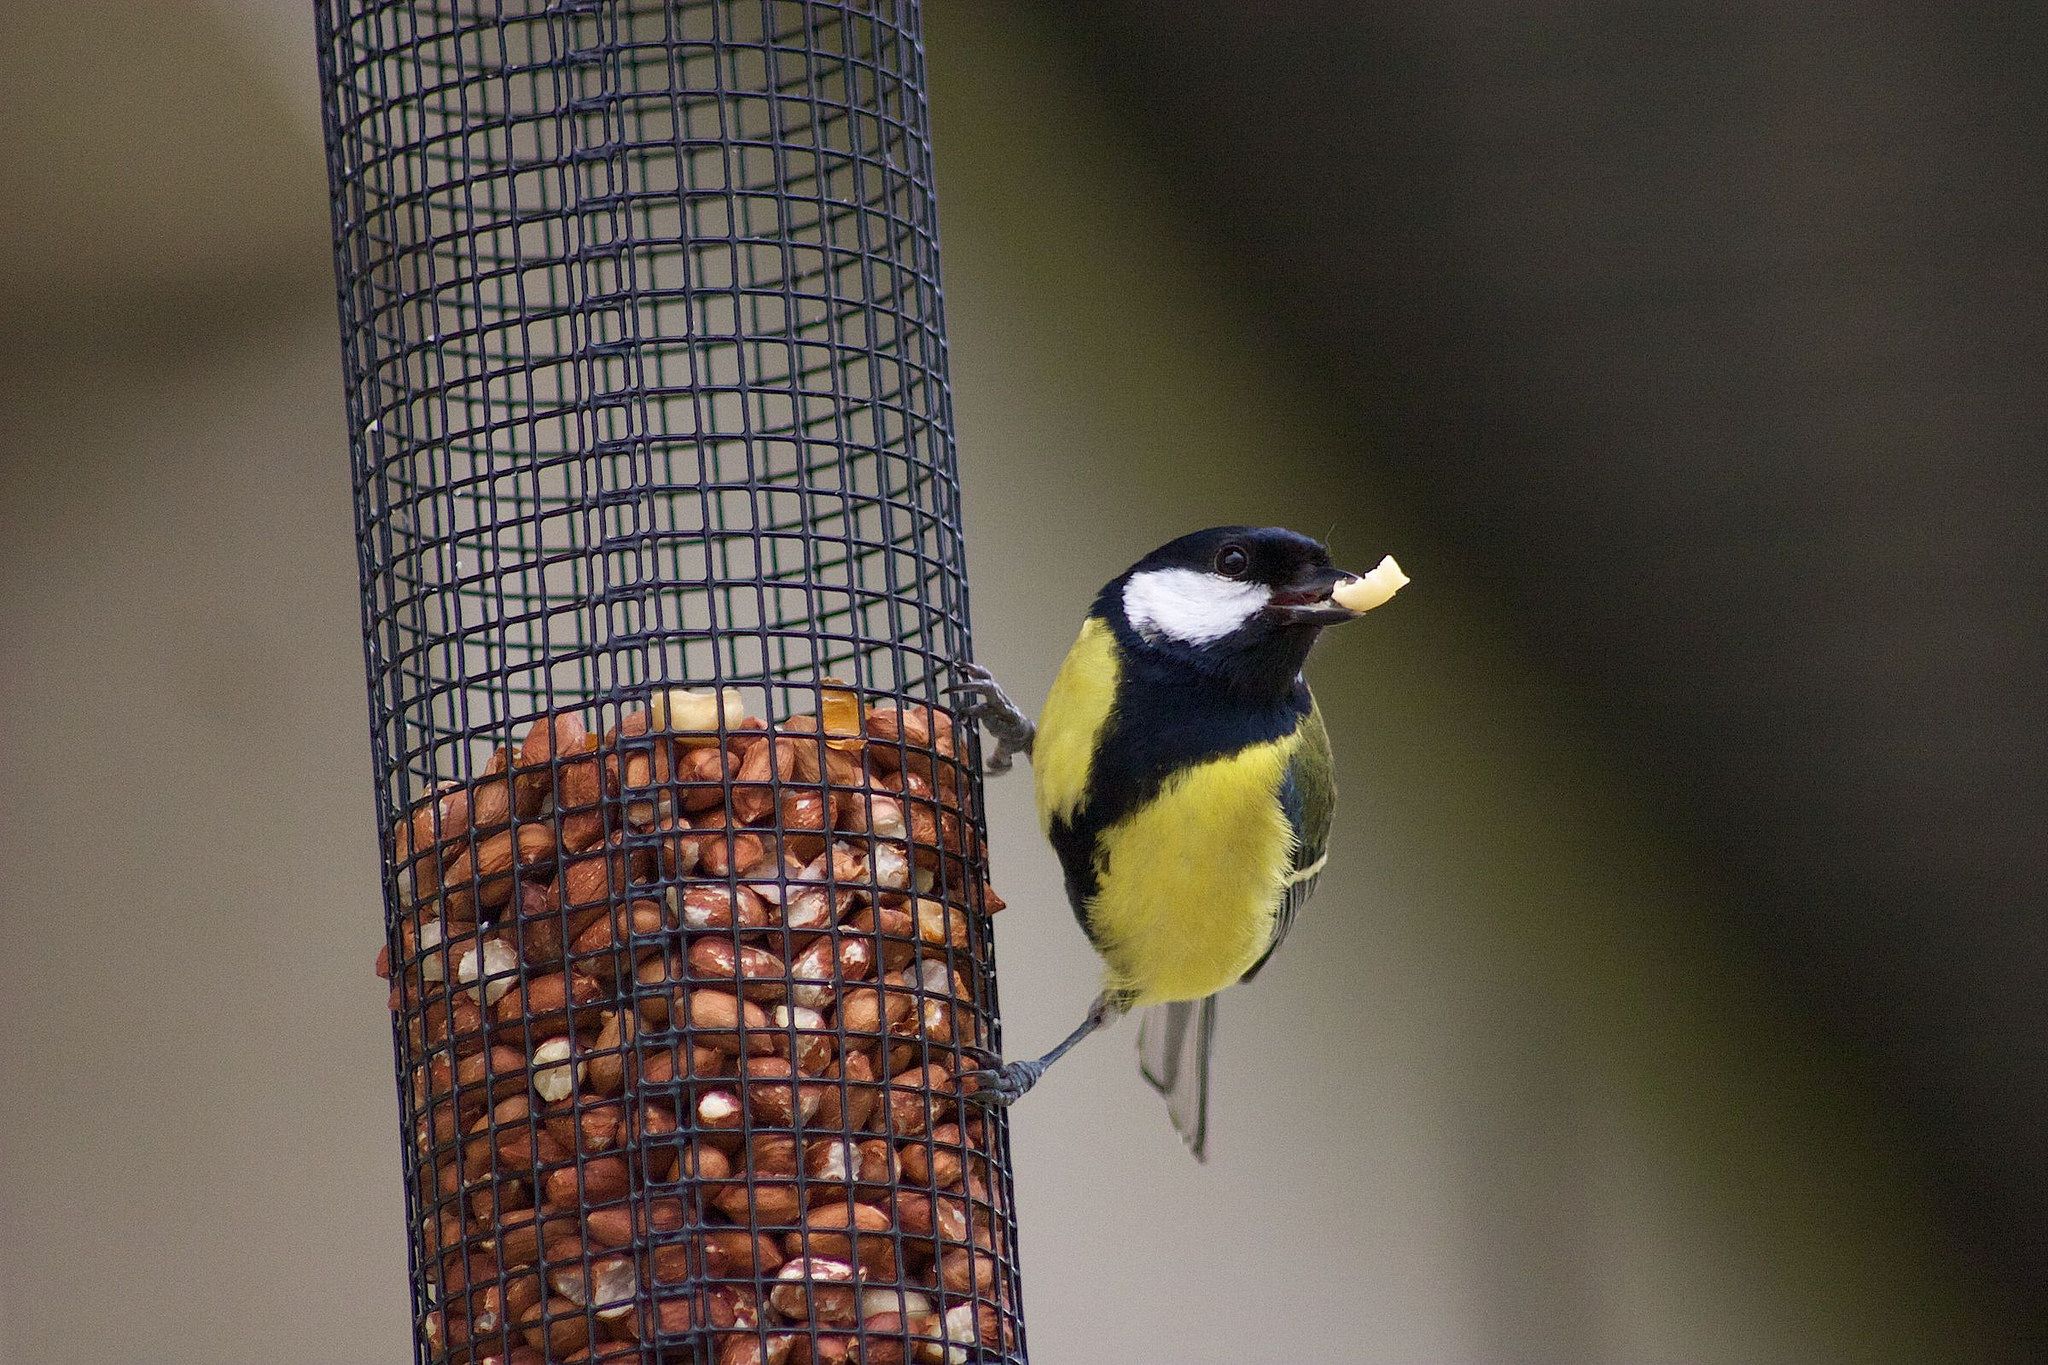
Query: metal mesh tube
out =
(658, 524)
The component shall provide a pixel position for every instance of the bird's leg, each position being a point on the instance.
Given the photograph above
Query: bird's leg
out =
(1001, 717)
(1006, 1084)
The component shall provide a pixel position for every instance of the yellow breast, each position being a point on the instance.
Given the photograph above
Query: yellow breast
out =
(1075, 711)
(1191, 881)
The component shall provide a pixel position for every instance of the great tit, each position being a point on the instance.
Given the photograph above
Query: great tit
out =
(1184, 778)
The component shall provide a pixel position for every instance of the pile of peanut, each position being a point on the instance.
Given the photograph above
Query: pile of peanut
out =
(681, 1015)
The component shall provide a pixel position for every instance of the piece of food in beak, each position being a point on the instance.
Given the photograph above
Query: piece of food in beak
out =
(1365, 593)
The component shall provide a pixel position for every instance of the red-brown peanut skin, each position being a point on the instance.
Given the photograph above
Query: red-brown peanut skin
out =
(614, 942)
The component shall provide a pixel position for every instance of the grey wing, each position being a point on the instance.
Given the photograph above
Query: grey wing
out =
(1308, 794)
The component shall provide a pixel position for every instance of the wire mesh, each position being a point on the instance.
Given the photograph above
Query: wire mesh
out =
(687, 925)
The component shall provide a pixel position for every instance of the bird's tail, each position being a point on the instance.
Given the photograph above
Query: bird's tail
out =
(1173, 1054)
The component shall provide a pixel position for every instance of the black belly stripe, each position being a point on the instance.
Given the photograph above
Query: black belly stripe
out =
(1165, 718)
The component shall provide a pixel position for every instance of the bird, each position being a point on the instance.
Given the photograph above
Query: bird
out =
(1184, 778)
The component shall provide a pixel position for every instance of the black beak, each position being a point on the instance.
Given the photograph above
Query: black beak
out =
(1308, 603)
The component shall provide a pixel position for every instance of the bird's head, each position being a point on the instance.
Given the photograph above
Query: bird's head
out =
(1241, 604)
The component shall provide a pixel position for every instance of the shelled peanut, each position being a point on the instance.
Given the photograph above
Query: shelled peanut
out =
(682, 1013)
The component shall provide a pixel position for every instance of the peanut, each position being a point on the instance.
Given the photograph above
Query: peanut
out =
(736, 934)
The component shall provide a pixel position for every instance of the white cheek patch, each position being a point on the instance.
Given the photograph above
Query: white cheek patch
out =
(1190, 606)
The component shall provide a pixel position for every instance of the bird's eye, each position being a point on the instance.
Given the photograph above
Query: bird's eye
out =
(1232, 561)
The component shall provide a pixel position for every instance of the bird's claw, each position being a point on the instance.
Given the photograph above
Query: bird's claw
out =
(1003, 719)
(1001, 1086)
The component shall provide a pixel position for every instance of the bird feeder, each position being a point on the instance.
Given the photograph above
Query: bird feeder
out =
(658, 523)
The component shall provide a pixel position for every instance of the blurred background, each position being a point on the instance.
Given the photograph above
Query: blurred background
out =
(1677, 990)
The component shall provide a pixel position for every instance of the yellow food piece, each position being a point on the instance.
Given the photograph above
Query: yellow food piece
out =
(839, 715)
(1371, 590)
(679, 710)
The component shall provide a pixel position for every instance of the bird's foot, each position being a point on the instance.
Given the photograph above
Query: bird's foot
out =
(1002, 718)
(1002, 1086)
